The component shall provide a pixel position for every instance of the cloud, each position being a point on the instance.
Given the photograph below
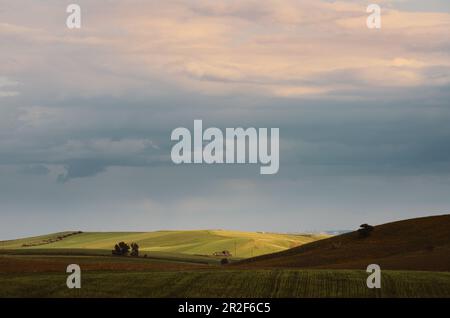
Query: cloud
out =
(227, 47)
(4, 84)
(106, 148)
(91, 157)
(81, 168)
(38, 170)
(363, 114)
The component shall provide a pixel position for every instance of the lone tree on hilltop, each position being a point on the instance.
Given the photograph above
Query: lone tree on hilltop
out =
(365, 229)
(121, 249)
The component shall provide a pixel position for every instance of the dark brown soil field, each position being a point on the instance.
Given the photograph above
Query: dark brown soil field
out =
(45, 263)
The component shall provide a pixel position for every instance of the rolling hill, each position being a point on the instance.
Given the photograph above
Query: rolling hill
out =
(414, 244)
(201, 242)
(179, 263)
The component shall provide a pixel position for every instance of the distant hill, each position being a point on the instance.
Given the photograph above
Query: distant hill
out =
(414, 244)
(202, 242)
(336, 232)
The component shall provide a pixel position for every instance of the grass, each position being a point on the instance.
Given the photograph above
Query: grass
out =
(202, 242)
(228, 283)
(413, 254)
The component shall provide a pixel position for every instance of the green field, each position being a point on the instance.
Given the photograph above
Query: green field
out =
(30, 275)
(228, 283)
(181, 264)
(202, 242)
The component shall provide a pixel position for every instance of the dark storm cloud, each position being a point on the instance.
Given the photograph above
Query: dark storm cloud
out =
(81, 168)
(369, 137)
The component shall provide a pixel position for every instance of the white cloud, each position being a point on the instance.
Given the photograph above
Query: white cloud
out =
(5, 85)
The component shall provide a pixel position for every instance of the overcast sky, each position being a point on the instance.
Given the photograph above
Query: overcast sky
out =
(86, 114)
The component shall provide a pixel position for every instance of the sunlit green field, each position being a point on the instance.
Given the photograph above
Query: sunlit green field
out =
(203, 242)
(228, 283)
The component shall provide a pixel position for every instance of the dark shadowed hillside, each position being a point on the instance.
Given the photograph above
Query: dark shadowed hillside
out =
(414, 244)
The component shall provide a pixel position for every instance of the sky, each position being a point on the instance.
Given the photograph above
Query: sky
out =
(86, 114)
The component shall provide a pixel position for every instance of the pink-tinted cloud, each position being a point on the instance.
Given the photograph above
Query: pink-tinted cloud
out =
(226, 47)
